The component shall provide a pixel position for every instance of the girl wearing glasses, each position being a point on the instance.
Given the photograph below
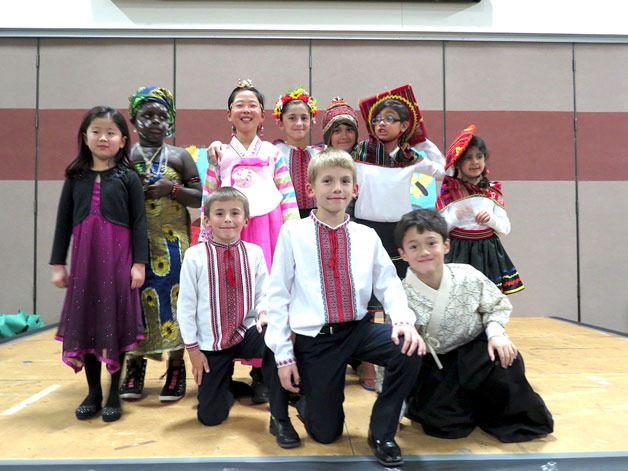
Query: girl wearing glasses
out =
(396, 148)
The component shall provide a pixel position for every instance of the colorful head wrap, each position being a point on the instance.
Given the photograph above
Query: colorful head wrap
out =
(295, 94)
(338, 112)
(459, 146)
(156, 94)
(416, 130)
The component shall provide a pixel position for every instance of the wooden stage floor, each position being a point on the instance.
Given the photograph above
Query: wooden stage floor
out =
(581, 373)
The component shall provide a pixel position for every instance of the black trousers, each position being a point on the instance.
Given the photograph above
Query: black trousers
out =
(322, 361)
(215, 399)
(472, 391)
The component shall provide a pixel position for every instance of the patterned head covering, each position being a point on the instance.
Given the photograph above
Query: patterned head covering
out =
(416, 131)
(459, 146)
(156, 94)
(292, 95)
(338, 112)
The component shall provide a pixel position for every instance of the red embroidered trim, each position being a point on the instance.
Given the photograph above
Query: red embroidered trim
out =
(454, 189)
(299, 160)
(290, 361)
(229, 270)
(469, 234)
(333, 247)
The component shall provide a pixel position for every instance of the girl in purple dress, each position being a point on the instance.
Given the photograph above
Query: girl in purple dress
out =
(102, 210)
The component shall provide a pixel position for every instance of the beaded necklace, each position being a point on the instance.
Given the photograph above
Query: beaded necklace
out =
(149, 175)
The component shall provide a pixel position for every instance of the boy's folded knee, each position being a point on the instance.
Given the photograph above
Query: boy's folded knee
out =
(325, 437)
(211, 419)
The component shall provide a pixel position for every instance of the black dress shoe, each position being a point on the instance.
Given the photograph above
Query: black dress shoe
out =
(287, 436)
(87, 411)
(387, 452)
(260, 390)
(111, 414)
(89, 408)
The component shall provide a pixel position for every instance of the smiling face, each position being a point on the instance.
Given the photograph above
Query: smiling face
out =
(246, 113)
(472, 164)
(425, 253)
(333, 189)
(343, 137)
(295, 122)
(226, 219)
(151, 122)
(104, 139)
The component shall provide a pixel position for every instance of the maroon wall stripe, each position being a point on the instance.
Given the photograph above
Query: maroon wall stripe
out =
(602, 151)
(18, 144)
(524, 145)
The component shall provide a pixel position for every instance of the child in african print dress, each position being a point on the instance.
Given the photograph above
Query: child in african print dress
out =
(171, 184)
(102, 210)
(474, 210)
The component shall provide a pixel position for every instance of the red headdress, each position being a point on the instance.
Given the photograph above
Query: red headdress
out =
(416, 130)
(459, 146)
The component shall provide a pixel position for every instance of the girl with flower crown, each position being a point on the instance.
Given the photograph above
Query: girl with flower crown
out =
(295, 112)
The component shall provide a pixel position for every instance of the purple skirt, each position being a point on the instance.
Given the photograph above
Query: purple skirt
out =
(101, 313)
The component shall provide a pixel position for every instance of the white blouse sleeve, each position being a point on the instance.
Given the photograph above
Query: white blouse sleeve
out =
(278, 333)
(432, 162)
(499, 221)
(188, 298)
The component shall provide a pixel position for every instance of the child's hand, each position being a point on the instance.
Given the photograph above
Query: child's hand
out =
(159, 189)
(289, 377)
(412, 341)
(199, 365)
(506, 350)
(59, 276)
(262, 320)
(214, 152)
(482, 217)
(138, 272)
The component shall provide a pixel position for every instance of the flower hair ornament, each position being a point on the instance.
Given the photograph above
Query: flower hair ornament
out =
(245, 83)
(296, 94)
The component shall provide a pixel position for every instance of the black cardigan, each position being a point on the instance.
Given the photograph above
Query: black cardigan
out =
(121, 202)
